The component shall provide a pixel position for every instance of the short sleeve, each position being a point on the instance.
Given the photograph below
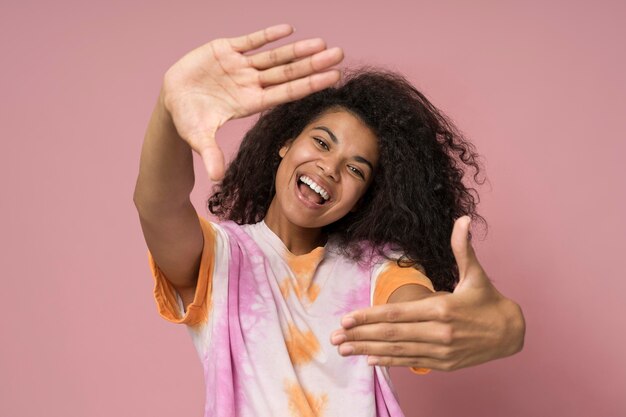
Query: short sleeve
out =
(393, 277)
(168, 301)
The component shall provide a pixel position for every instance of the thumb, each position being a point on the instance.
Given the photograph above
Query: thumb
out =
(466, 260)
(213, 159)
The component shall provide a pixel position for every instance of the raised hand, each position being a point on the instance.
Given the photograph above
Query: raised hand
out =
(217, 82)
(443, 331)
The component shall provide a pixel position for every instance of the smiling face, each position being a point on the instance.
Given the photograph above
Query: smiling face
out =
(324, 171)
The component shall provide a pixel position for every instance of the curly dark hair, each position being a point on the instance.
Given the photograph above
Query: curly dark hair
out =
(416, 193)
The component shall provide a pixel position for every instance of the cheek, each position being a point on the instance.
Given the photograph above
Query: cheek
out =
(282, 176)
(356, 191)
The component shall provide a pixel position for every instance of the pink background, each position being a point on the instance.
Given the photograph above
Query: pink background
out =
(538, 87)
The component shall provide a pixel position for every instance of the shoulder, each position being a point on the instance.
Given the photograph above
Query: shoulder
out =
(213, 231)
(228, 230)
(390, 277)
(248, 240)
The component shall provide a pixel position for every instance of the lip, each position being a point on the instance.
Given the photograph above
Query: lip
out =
(324, 184)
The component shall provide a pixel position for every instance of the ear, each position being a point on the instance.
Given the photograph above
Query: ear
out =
(283, 151)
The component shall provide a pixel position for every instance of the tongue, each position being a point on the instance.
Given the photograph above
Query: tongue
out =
(309, 194)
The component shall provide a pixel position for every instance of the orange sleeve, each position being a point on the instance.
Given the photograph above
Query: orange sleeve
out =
(393, 277)
(165, 293)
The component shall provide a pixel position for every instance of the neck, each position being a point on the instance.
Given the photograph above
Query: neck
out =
(298, 240)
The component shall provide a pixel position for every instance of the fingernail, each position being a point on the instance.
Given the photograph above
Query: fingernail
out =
(338, 338)
(348, 322)
(372, 360)
(346, 349)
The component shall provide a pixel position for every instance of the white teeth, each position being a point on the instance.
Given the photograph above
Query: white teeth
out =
(315, 187)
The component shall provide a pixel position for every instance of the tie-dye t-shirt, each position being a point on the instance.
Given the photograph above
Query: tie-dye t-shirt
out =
(261, 321)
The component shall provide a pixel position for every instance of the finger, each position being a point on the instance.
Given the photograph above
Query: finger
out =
(202, 140)
(396, 349)
(427, 309)
(421, 364)
(424, 332)
(287, 53)
(299, 88)
(258, 39)
(399, 349)
(302, 68)
(214, 162)
(464, 254)
(213, 159)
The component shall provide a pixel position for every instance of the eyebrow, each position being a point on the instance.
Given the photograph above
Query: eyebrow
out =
(335, 140)
(327, 130)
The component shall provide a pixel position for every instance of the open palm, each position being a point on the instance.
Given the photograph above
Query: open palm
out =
(217, 82)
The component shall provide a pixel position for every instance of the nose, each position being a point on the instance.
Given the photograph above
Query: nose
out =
(329, 167)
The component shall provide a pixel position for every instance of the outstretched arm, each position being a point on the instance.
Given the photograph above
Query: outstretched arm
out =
(442, 331)
(221, 80)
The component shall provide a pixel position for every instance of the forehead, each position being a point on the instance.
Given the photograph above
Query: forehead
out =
(338, 114)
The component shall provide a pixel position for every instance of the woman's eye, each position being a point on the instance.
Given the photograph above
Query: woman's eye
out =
(357, 171)
(321, 143)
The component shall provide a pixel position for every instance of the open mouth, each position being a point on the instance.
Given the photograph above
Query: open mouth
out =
(312, 191)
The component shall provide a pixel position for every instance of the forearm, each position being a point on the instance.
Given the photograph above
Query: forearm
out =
(166, 175)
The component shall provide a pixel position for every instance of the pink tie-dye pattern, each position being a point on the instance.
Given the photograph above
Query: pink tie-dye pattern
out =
(354, 298)
(220, 401)
(386, 403)
(247, 288)
(251, 318)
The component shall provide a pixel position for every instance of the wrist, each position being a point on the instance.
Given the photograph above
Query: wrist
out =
(162, 104)
(515, 327)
